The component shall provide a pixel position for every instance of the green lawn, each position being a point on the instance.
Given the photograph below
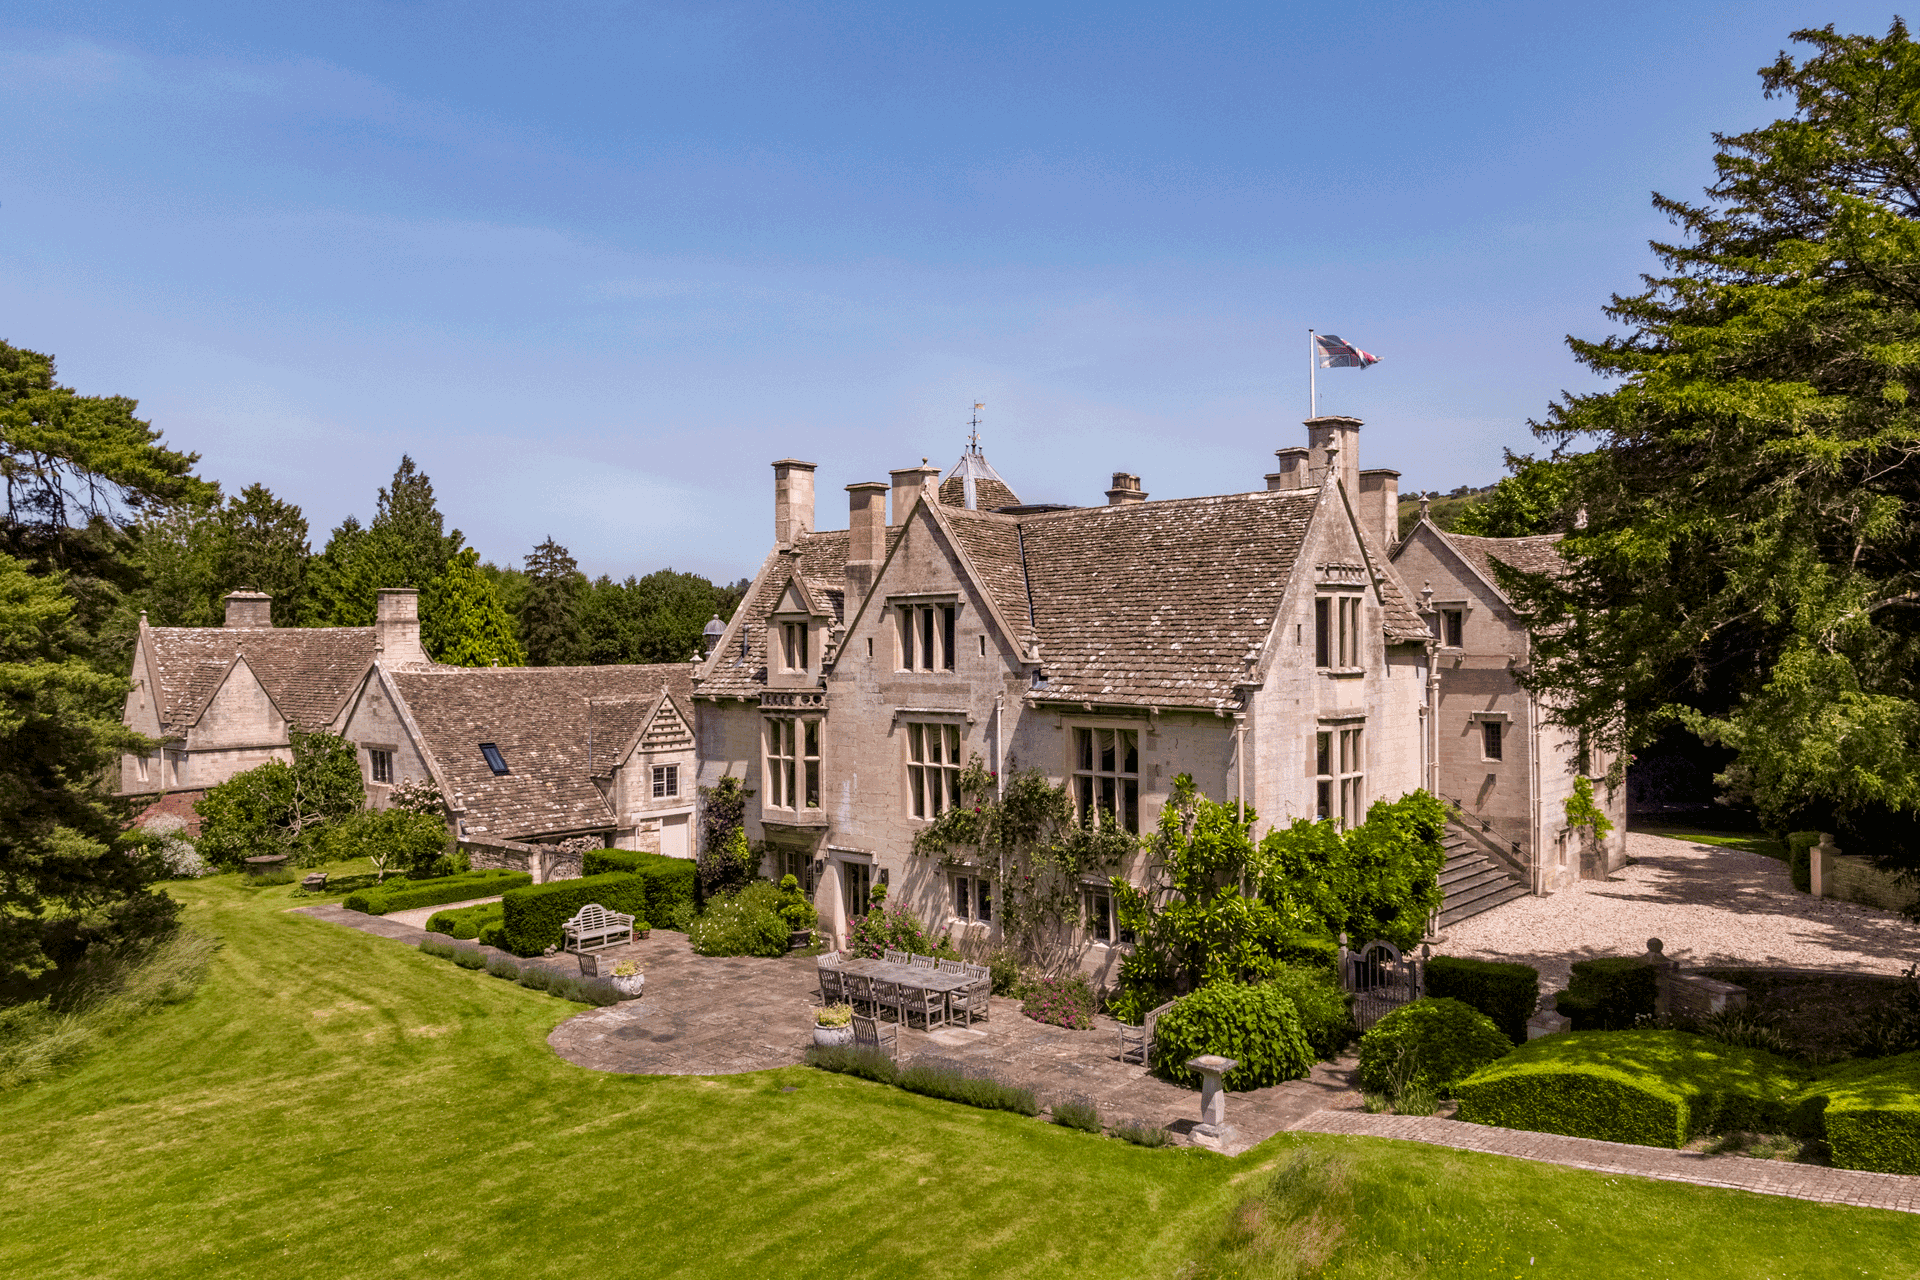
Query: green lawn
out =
(333, 1104)
(1750, 842)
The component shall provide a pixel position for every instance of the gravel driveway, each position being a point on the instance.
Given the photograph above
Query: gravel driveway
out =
(1708, 905)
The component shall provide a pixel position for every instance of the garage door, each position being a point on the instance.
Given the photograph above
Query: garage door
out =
(676, 832)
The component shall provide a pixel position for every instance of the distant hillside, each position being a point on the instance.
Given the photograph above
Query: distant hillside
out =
(1444, 510)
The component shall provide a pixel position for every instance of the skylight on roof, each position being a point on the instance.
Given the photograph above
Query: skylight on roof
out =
(495, 761)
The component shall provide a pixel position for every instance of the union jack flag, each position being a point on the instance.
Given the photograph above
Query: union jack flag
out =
(1335, 354)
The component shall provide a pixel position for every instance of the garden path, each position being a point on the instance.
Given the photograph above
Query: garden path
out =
(1707, 904)
(1766, 1177)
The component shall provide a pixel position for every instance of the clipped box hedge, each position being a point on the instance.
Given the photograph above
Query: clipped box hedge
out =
(1612, 993)
(1651, 1088)
(533, 915)
(1506, 993)
(1800, 858)
(467, 922)
(669, 880)
(405, 895)
(1870, 1111)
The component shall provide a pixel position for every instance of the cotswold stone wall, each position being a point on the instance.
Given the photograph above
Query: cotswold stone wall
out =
(1855, 879)
(543, 862)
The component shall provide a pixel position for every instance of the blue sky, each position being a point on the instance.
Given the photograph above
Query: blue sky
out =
(595, 265)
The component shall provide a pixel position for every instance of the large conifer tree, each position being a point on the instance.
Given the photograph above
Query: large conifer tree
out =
(462, 622)
(1750, 566)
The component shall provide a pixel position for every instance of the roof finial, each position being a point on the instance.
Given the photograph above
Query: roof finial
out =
(1426, 500)
(973, 441)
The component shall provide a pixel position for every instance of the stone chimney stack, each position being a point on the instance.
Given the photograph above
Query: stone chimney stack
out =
(396, 627)
(866, 539)
(1126, 490)
(249, 609)
(1378, 506)
(792, 500)
(1293, 469)
(1331, 432)
(908, 483)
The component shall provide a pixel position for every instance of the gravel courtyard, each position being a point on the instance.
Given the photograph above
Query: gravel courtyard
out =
(1708, 905)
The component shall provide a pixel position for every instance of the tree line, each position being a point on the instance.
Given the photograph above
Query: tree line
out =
(472, 612)
(104, 521)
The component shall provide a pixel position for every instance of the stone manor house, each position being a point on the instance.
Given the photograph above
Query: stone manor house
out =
(1269, 642)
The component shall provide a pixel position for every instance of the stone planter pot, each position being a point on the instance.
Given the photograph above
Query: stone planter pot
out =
(640, 935)
(799, 939)
(832, 1037)
(630, 986)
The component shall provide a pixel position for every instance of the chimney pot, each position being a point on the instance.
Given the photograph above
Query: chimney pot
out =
(396, 627)
(866, 539)
(249, 609)
(1378, 505)
(1126, 490)
(792, 500)
(1335, 440)
(1293, 469)
(908, 485)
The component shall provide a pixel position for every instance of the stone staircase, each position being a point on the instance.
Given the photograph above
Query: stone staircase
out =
(1472, 880)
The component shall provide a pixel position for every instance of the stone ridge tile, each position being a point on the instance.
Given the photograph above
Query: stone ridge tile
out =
(538, 718)
(308, 671)
(1161, 602)
(1538, 554)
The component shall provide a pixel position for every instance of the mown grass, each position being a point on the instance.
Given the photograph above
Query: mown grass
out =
(1755, 842)
(333, 1104)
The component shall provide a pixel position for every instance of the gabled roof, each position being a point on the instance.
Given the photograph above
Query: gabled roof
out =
(1540, 554)
(1537, 554)
(738, 667)
(307, 671)
(553, 741)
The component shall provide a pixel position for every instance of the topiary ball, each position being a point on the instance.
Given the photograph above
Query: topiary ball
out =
(1256, 1026)
(1431, 1044)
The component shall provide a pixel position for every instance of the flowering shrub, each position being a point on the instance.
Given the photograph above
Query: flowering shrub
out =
(1066, 1001)
(879, 931)
(177, 854)
(746, 923)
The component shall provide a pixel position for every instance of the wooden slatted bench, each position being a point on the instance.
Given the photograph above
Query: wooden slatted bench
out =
(1136, 1043)
(594, 927)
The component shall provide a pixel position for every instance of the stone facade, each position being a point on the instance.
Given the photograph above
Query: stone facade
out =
(1496, 753)
(1244, 639)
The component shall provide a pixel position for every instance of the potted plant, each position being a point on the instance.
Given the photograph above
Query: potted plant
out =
(628, 980)
(798, 913)
(641, 929)
(833, 1025)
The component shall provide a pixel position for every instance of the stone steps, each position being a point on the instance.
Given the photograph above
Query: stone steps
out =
(1473, 883)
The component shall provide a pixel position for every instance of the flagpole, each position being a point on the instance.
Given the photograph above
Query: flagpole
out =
(1313, 393)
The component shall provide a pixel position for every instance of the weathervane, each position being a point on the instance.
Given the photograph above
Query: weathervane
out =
(973, 441)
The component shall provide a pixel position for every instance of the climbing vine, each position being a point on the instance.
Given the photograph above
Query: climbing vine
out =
(1583, 812)
(1026, 836)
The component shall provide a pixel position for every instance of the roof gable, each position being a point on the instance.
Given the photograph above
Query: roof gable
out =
(309, 672)
(558, 728)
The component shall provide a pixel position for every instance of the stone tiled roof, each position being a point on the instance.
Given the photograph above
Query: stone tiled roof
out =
(307, 671)
(989, 490)
(538, 717)
(1540, 554)
(740, 666)
(1147, 604)
(1160, 603)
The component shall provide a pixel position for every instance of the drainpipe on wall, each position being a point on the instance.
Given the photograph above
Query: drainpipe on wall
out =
(1535, 833)
(1240, 766)
(999, 745)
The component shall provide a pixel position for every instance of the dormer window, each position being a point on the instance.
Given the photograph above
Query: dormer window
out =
(793, 646)
(495, 761)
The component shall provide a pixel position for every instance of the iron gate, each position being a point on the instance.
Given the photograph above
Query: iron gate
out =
(1380, 980)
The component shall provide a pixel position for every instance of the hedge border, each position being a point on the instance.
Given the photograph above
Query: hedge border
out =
(1507, 993)
(433, 893)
